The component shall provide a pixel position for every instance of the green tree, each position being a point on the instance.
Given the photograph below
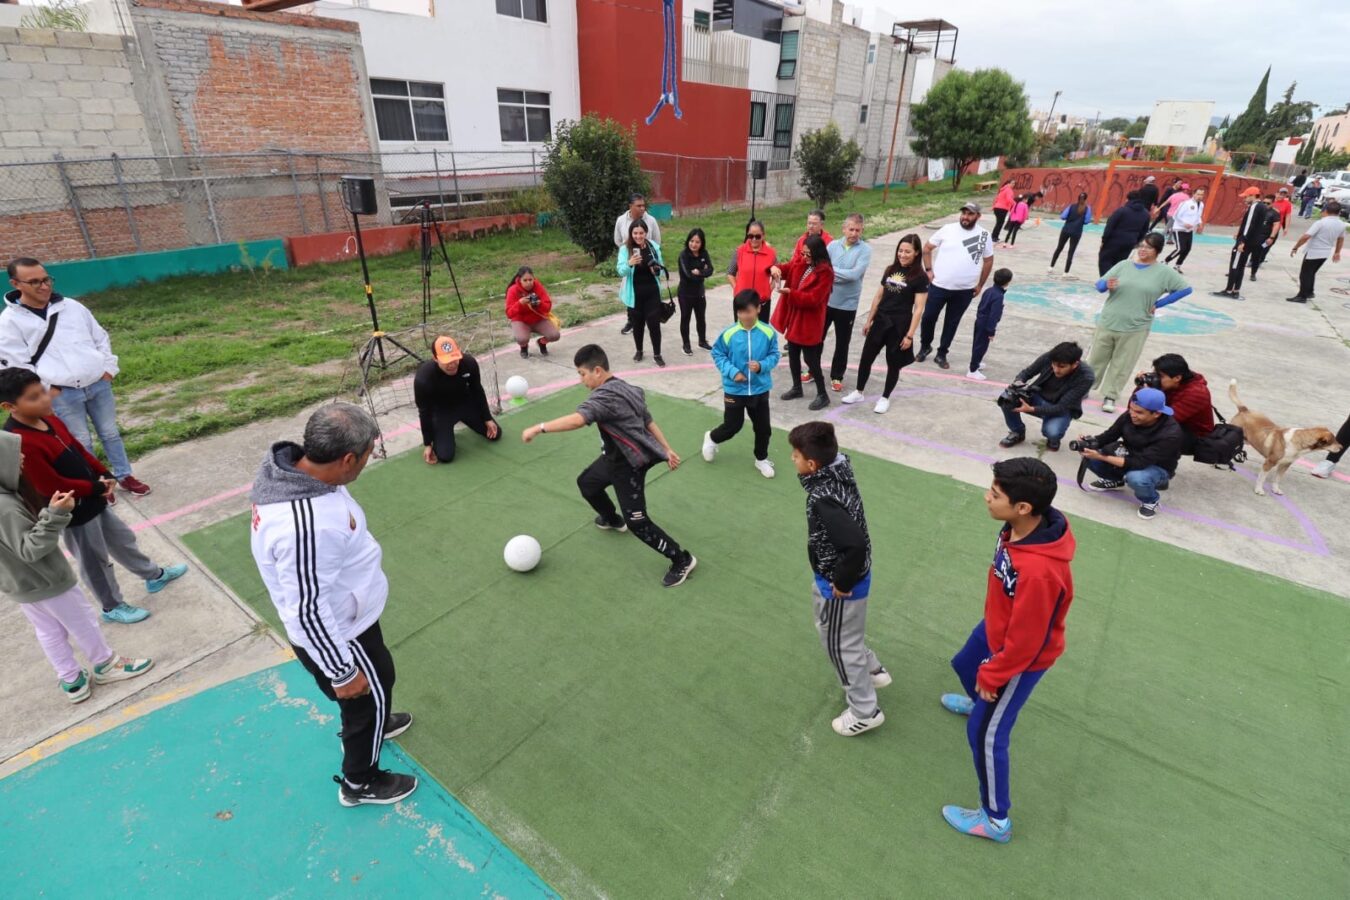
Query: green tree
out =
(1288, 118)
(1137, 128)
(1250, 126)
(1115, 125)
(590, 168)
(1306, 152)
(827, 164)
(969, 116)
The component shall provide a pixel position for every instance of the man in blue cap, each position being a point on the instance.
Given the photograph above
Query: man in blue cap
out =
(1150, 442)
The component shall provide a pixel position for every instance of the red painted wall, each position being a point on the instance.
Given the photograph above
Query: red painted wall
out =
(619, 51)
(335, 246)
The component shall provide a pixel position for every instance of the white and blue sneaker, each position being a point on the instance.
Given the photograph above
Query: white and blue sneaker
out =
(976, 823)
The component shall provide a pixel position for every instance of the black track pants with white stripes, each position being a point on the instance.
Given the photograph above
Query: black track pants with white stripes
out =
(842, 625)
(630, 487)
(362, 717)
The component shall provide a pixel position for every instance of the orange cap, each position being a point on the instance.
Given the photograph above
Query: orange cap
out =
(447, 349)
(1251, 192)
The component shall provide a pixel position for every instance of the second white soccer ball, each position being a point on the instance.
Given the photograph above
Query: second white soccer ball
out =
(517, 386)
(522, 553)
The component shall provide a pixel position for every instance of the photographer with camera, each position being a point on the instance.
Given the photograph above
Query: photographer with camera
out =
(1187, 393)
(1052, 389)
(1140, 450)
(530, 311)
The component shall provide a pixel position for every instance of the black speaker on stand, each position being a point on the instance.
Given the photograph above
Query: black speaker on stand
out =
(358, 196)
(759, 171)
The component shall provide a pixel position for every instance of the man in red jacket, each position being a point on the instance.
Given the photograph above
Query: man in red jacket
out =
(1029, 592)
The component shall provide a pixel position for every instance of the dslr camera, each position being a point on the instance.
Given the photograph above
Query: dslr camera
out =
(1014, 395)
(1148, 379)
(1086, 443)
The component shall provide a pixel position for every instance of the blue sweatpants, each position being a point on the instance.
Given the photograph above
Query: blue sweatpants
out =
(991, 724)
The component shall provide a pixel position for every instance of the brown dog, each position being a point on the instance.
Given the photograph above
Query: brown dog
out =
(1279, 446)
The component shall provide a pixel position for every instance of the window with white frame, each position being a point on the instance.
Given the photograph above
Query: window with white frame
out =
(409, 110)
(524, 116)
(531, 10)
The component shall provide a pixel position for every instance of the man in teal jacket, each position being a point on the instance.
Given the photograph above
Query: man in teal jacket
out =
(745, 354)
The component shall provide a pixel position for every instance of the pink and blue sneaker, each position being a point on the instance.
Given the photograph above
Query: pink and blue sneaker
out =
(976, 823)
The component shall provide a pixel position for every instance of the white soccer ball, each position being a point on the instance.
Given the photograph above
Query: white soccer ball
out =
(522, 553)
(517, 386)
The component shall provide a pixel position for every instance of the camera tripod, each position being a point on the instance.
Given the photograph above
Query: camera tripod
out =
(373, 354)
(428, 227)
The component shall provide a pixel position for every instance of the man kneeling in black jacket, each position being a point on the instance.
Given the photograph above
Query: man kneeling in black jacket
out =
(1058, 382)
(1147, 460)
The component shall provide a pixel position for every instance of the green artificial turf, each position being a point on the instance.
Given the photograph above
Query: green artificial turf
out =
(643, 742)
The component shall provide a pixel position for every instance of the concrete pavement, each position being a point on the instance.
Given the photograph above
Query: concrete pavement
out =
(1289, 359)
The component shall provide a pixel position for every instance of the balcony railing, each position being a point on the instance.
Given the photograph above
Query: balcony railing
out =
(716, 57)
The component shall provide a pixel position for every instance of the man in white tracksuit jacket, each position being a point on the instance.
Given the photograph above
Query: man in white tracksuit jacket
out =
(322, 569)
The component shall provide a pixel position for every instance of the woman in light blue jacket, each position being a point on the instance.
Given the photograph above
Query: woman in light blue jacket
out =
(640, 265)
(745, 354)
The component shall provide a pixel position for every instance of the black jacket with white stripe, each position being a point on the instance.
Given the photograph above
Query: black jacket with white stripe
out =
(322, 568)
(837, 541)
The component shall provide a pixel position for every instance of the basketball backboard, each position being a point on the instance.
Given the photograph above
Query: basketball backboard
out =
(1179, 123)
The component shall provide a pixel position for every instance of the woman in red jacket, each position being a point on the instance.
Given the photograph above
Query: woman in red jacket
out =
(807, 281)
(530, 310)
(752, 267)
(1187, 393)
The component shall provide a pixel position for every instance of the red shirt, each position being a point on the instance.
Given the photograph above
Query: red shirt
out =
(800, 313)
(1028, 596)
(518, 308)
(752, 269)
(1285, 209)
(801, 241)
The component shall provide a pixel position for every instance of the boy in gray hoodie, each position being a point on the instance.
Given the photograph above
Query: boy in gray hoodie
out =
(35, 574)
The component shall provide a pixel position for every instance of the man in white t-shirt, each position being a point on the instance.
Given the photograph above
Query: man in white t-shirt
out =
(1326, 237)
(956, 273)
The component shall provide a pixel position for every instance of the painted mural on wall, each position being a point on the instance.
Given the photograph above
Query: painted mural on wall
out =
(1062, 186)
(670, 78)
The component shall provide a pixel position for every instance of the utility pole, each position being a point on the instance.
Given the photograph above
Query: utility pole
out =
(899, 106)
(1050, 115)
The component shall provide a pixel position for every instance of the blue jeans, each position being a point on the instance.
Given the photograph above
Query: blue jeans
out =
(1053, 428)
(989, 728)
(1144, 482)
(76, 407)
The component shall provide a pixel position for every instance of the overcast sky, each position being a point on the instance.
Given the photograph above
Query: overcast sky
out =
(1119, 58)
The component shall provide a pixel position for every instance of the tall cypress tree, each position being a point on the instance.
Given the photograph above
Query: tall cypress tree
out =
(1248, 127)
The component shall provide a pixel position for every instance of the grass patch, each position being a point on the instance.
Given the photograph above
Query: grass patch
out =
(204, 354)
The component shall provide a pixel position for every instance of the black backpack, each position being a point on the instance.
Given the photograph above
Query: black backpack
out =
(1223, 446)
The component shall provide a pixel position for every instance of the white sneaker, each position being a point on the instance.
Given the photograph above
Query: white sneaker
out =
(849, 725)
(1323, 469)
(854, 396)
(883, 404)
(981, 367)
(1050, 270)
(977, 375)
(709, 448)
(1108, 405)
(881, 678)
(765, 467)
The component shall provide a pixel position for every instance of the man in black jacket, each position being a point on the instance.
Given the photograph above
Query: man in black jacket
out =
(1058, 381)
(1252, 235)
(1148, 192)
(1147, 460)
(448, 390)
(1124, 229)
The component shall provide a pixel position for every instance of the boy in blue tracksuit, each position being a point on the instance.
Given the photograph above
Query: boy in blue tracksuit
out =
(745, 354)
(987, 317)
(840, 551)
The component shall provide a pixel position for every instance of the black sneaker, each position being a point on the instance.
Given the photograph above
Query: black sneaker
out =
(922, 354)
(616, 525)
(1052, 446)
(704, 345)
(820, 402)
(1012, 439)
(1295, 299)
(656, 358)
(524, 352)
(679, 570)
(792, 393)
(627, 329)
(941, 360)
(385, 788)
(688, 351)
(1106, 484)
(637, 357)
(543, 347)
(1148, 510)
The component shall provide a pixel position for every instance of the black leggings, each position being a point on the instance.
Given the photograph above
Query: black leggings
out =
(999, 216)
(1011, 237)
(1183, 250)
(646, 312)
(884, 333)
(734, 410)
(1070, 239)
(631, 489)
(812, 354)
(1342, 438)
(842, 320)
(697, 307)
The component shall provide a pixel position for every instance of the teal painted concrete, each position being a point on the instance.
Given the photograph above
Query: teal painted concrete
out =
(76, 278)
(1079, 302)
(228, 794)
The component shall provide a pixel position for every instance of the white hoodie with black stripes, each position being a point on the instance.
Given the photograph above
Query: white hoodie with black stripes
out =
(322, 568)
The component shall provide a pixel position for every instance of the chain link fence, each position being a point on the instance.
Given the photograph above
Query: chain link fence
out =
(75, 209)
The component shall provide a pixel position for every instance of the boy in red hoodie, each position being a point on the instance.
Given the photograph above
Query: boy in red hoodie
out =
(1022, 634)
